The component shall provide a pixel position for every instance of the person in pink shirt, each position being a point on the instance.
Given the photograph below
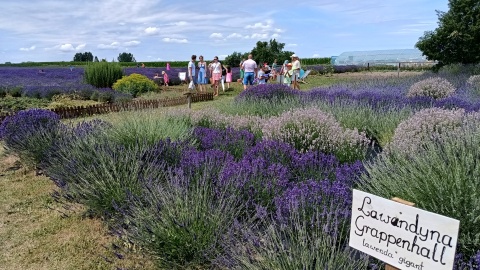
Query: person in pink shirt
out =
(165, 78)
(250, 67)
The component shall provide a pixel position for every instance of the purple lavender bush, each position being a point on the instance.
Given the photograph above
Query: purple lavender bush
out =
(268, 92)
(230, 140)
(31, 133)
(182, 219)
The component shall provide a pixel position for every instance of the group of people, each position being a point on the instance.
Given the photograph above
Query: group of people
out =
(290, 72)
(214, 73)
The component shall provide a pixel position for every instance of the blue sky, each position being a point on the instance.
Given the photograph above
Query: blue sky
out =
(158, 30)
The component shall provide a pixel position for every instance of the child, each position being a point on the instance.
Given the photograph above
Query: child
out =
(287, 75)
(165, 78)
(229, 76)
(261, 76)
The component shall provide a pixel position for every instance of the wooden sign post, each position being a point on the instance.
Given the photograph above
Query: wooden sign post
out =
(395, 199)
(402, 236)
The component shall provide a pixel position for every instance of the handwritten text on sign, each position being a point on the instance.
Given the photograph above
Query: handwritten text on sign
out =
(402, 236)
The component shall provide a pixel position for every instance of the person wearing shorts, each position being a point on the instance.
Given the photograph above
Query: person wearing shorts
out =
(250, 68)
(216, 71)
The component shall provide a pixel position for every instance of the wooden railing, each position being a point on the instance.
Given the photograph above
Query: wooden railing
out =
(83, 111)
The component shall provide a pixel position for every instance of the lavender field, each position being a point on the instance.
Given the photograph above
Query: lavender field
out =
(265, 182)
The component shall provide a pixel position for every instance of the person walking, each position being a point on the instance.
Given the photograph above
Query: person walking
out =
(242, 72)
(250, 68)
(202, 74)
(296, 71)
(191, 72)
(224, 74)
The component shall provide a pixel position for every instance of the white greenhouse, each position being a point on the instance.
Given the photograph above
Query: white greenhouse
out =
(382, 57)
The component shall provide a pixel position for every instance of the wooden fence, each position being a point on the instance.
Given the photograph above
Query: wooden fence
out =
(83, 111)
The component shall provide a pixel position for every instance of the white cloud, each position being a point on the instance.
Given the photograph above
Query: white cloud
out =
(259, 36)
(278, 30)
(151, 30)
(66, 47)
(316, 55)
(80, 47)
(28, 49)
(180, 23)
(275, 35)
(216, 35)
(132, 43)
(291, 45)
(113, 45)
(259, 25)
(175, 40)
(234, 35)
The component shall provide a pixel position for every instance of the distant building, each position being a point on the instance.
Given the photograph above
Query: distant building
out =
(382, 57)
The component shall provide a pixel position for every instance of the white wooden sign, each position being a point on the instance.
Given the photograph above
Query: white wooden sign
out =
(402, 236)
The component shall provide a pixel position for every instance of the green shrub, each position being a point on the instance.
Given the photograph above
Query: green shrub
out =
(94, 95)
(148, 128)
(102, 74)
(122, 99)
(443, 178)
(3, 93)
(105, 97)
(15, 91)
(135, 84)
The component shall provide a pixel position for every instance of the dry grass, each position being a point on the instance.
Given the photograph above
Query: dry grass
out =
(38, 233)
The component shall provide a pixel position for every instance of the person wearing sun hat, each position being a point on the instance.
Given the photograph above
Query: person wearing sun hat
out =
(296, 71)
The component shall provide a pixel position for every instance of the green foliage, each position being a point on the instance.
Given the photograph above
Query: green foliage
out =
(14, 104)
(15, 91)
(456, 38)
(83, 57)
(125, 57)
(135, 84)
(234, 59)
(3, 93)
(315, 61)
(102, 74)
(269, 51)
(443, 179)
(148, 128)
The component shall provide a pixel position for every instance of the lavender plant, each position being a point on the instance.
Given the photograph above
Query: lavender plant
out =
(96, 171)
(30, 134)
(312, 129)
(436, 88)
(474, 82)
(230, 140)
(300, 241)
(425, 125)
(182, 221)
(442, 178)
